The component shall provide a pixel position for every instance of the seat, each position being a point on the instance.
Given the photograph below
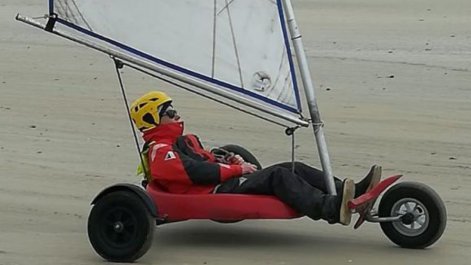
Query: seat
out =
(222, 207)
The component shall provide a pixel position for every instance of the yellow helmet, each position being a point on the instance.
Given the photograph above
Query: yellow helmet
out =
(145, 110)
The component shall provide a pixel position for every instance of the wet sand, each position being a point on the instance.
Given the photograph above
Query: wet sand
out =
(393, 85)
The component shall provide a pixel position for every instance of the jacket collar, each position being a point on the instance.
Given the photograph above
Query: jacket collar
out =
(167, 133)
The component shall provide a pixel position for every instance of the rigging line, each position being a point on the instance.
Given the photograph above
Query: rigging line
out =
(284, 56)
(226, 6)
(41, 17)
(68, 13)
(275, 83)
(214, 39)
(204, 95)
(60, 7)
(69, 10)
(285, 79)
(81, 16)
(290, 131)
(118, 65)
(235, 45)
(317, 126)
(287, 88)
(292, 151)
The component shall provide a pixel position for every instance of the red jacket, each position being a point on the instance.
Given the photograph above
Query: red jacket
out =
(181, 165)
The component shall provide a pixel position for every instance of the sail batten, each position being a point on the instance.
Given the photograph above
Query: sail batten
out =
(240, 46)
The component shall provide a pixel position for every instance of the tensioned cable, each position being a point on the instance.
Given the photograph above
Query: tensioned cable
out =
(214, 38)
(225, 6)
(81, 16)
(64, 8)
(292, 152)
(290, 132)
(317, 126)
(118, 64)
(41, 17)
(235, 44)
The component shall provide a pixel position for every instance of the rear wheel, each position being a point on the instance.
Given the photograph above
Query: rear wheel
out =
(120, 228)
(423, 215)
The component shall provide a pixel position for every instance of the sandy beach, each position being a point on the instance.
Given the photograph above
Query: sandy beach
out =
(393, 81)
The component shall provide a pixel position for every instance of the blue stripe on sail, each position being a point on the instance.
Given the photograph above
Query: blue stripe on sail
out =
(51, 7)
(176, 67)
(290, 59)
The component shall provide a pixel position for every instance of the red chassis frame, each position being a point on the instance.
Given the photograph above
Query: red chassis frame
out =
(235, 207)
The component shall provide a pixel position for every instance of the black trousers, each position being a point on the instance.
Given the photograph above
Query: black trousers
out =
(305, 191)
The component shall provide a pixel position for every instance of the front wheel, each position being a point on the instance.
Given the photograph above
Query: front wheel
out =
(120, 228)
(423, 215)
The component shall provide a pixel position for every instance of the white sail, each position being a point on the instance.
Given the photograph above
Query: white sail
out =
(239, 51)
(239, 46)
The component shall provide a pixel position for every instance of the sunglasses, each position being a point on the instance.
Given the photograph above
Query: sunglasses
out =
(171, 113)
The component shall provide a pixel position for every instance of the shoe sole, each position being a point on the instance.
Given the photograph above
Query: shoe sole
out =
(375, 178)
(363, 210)
(348, 194)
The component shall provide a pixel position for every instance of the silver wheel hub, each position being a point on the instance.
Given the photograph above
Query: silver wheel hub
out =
(417, 215)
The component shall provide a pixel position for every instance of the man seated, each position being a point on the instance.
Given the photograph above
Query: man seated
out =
(180, 164)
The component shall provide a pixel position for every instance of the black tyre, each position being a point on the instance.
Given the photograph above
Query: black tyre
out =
(244, 153)
(120, 227)
(424, 215)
